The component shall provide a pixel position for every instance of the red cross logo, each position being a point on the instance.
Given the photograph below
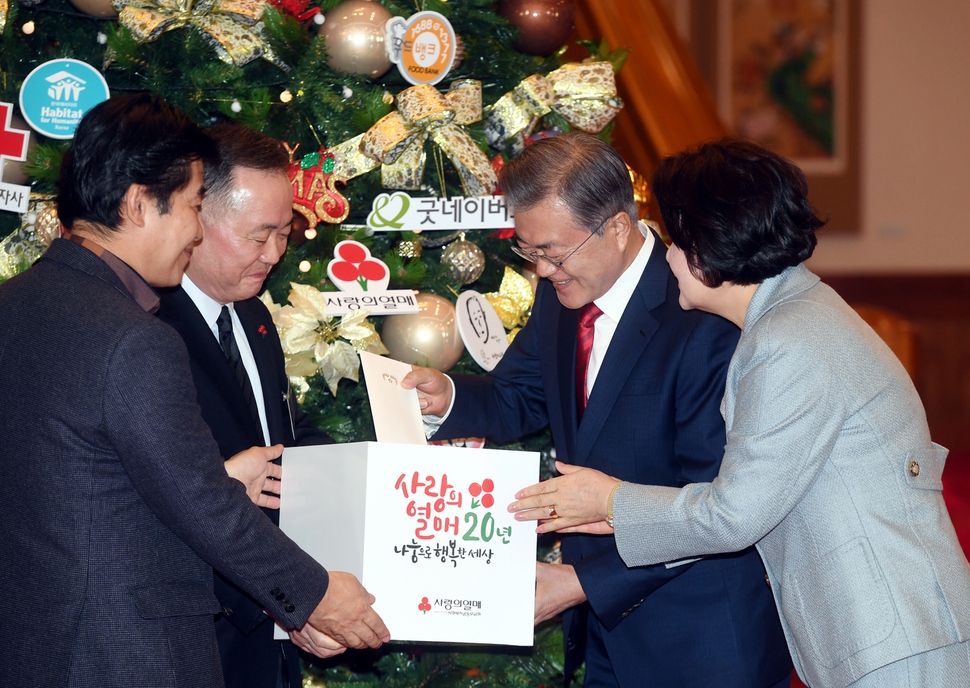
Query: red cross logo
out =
(13, 142)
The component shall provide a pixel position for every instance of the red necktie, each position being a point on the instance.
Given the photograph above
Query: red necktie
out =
(584, 346)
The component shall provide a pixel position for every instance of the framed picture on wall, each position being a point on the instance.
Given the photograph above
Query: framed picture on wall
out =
(787, 78)
(783, 77)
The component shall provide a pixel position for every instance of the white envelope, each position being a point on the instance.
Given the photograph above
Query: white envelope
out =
(397, 415)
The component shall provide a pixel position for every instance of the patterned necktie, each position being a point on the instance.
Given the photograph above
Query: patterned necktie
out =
(229, 348)
(584, 347)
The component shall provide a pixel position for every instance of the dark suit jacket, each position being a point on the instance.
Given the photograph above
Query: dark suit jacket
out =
(652, 417)
(249, 653)
(114, 500)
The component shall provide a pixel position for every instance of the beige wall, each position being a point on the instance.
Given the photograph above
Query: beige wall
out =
(915, 145)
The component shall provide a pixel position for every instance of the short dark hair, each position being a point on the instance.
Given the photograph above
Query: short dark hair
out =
(582, 171)
(136, 139)
(240, 146)
(739, 212)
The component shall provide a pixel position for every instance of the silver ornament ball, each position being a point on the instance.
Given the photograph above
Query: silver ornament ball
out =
(465, 261)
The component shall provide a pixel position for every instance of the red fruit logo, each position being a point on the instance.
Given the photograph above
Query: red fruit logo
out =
(353, 268)
(484, 490)
(425, 606)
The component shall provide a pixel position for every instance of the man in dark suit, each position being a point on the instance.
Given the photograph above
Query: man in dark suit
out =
(247, 213)
(630, 384)
(114, 499)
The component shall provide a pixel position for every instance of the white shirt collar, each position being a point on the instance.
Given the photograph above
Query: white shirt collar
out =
(614, 301)
(208, 306)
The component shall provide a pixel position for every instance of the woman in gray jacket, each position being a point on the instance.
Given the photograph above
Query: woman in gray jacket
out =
(828, 468)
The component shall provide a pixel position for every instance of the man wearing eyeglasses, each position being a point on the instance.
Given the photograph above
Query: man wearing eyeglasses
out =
(630, 384)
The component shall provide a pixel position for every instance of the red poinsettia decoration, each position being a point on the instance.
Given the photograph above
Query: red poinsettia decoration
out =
(298, 8)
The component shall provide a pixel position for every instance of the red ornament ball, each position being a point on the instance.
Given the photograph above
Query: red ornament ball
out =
(544, 25)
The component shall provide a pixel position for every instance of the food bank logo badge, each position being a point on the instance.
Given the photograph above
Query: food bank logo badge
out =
(425, 606)
(422, 46)
(57, 94)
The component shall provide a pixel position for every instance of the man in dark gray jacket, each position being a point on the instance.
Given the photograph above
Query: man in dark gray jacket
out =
(114, 499)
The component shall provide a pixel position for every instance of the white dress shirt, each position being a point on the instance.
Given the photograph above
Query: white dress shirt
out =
(210, 310)
(612, 303)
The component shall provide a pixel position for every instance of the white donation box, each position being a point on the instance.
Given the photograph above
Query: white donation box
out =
(425, 529)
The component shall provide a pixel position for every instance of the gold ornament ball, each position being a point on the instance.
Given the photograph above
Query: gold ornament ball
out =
(544, 25)
(96, 8)
(354, 31)
(13, 170)
(409, 248)
(465, 261)
(427, 338)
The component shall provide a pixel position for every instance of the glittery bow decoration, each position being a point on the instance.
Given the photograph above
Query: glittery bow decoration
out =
(39, 226)
(397, 140)
(233, 27)
(512, 301)
(584, 94)
(4, 8)
(312, 341)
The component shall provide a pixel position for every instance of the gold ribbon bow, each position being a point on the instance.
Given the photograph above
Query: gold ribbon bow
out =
(583, 93)
(397, 141)
(233, 27)
(4, 7)
(512, 301)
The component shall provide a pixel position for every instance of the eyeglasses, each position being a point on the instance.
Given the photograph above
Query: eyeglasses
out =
(534, 257)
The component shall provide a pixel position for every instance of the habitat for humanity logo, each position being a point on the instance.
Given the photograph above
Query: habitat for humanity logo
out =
(57, 94)
(65, 87)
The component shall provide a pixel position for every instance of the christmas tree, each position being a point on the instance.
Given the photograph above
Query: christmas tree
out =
(317, 76)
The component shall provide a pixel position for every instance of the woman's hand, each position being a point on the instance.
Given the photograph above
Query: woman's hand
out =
(575, 502)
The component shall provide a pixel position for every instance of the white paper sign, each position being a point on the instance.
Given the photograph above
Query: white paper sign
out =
(14, 198)
(481, 329)
(390, 302)
(426, 531)
(398, 212)
(397, 415)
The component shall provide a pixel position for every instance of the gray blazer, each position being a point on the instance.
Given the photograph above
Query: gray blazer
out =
(114, 499)
(830, 471)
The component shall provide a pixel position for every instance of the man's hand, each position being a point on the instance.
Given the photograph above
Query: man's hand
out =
(557, 589)
(345, 614)
(316, 643)
(253, 468)
(434, 389)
